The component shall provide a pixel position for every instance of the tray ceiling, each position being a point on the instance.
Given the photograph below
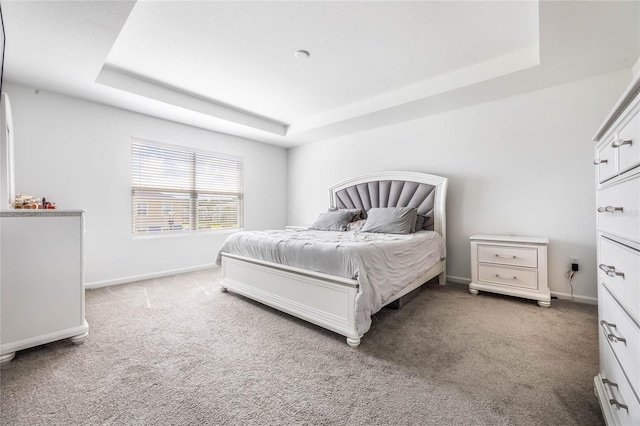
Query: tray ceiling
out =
(230, 66)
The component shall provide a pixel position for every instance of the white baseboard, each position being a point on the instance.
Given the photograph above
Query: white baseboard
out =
(458, 280)
(564, 296)
(450, 278)
(126, 280)
(576, 298)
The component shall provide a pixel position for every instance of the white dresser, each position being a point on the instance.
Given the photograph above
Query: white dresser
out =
(41, 280)
(511, 265)
(617, 160)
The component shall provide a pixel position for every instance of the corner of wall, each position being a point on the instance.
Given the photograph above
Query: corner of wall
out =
(636, 68)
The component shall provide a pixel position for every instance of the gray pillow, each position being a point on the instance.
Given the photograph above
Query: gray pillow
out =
(420, 221)
(391, 220)
(333, 220)
(357, 213)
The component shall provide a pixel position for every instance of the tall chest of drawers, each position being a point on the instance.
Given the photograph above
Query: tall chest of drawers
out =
(617, 160)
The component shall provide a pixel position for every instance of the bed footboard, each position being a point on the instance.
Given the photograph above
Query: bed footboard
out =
(325, 300)
(321, 299)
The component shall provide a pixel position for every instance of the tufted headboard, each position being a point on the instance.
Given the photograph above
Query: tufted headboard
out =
(427, 193)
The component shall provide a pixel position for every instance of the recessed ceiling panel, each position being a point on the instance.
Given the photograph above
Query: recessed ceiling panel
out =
(241, 54)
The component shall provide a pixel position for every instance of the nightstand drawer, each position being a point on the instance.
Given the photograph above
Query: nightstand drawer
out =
(512, 277)
(514, 256)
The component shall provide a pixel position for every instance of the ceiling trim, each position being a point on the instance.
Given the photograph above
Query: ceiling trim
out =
(141, 86)
(464, 77)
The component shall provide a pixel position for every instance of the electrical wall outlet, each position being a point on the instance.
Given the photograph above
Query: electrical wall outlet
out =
(574, 264)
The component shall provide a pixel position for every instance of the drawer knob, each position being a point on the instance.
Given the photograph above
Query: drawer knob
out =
(610, 271)
(612, 400)
(597, 162)
(620, 142)
(506, 257)
(609, 209)
(607, 326)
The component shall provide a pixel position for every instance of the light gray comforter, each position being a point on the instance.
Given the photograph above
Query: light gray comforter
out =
(383, 264)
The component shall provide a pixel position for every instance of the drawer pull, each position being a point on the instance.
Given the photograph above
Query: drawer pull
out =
(609, 209)
(507, 278)
(620, 142)
(507, 257)
(610, 271)
(598, 162)
(612, 400)
(612, 337)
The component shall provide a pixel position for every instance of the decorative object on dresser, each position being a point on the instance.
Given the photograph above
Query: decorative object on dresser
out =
(516, 266)
(42, 267)
(617, 159)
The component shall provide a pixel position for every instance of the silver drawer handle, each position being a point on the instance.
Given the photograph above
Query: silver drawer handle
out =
(598, 162)
(610, 271)
(612, 337)
(609, 209)
(619, 142)
(506, 257)
(507, 278)
(612, 400)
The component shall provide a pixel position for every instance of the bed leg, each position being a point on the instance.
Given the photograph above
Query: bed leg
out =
(6, 358)
(442, 279)
(80, 338)
(353, 342)
(222, 289)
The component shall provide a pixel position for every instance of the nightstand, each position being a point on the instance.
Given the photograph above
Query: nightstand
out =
(516, 266)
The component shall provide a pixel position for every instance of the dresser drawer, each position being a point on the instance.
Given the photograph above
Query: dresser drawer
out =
(629, 145)
(619, 209)
(507, 276)
(622, 335)
(514, 256)
(606, 162)
(619, 269)
(617, 389)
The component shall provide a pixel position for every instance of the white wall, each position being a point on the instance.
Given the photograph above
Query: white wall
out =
(522, 165)
(78, 154)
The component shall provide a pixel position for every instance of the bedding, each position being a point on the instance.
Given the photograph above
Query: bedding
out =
(383, 264)
(334, 220)
(391, 220)
(358, 214)
(420, 221)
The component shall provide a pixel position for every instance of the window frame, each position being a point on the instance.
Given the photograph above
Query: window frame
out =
(195, 197)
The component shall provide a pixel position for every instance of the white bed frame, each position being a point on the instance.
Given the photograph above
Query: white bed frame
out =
(322, 299)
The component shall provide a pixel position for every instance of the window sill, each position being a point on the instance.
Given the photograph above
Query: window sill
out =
(186, 234)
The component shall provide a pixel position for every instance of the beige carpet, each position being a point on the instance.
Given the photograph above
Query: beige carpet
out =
(175, 351)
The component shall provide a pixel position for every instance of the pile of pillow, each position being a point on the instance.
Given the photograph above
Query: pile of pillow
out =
(388, 220)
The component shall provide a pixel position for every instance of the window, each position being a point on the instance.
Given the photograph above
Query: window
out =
(174, 189)
(142, 209)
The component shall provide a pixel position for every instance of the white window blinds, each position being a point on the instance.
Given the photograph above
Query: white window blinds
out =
(174, 189)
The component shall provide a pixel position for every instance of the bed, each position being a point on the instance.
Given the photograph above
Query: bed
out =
(367, 270)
